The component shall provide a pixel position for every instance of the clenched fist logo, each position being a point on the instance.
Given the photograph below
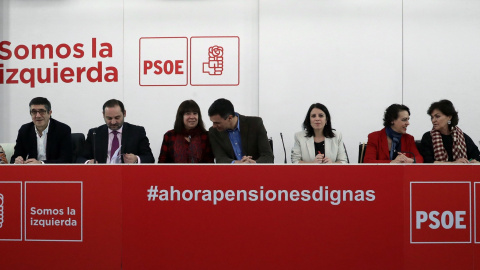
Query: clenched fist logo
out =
(214, 66)
(1, 210)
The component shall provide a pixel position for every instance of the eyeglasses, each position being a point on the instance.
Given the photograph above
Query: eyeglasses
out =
(34, 112)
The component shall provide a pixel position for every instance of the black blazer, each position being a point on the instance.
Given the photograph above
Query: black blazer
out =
(59, 143)
(134, 141)
(254, 141)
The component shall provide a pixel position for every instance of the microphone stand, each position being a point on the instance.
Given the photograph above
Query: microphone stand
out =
(94, 147)
(284, 151)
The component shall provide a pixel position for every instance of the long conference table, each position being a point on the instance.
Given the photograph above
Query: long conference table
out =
(239, 217)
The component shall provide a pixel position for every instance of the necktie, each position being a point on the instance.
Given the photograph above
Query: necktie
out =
(115, 144)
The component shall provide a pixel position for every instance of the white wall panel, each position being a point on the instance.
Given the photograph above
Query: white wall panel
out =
(344, 54)
(56, 22)
(442, 61)
(155, 106)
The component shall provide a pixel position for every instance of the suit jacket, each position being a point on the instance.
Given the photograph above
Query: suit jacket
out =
(134, 140)
(59, 143)
(304, 148)
(377, 148)
(254, 141)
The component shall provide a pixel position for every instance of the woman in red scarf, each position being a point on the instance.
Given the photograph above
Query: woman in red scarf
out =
(188, 141)
(446, 142)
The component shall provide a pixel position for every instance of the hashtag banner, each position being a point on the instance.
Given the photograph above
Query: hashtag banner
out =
(259, 217)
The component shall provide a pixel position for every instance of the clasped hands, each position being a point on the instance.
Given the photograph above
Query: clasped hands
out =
(321, 158)
(246, 159)
(19, 160)
(402, 158)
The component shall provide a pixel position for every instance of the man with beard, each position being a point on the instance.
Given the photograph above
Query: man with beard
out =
(44, 140)
(116, 141)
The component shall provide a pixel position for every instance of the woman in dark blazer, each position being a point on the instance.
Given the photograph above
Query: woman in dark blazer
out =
(446, 142)
(392, 144)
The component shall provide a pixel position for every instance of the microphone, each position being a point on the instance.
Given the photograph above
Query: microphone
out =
(284, 151)
(413, 155)
(94, 147)
(348, 160)
(122, 151)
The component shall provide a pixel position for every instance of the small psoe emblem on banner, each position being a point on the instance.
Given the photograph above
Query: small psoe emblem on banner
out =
(1, 210)
(214, 66)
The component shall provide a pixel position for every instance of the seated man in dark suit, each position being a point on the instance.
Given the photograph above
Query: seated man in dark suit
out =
(116, 141)
(44, 140)
(236, 138)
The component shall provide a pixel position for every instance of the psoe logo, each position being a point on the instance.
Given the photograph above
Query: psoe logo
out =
(10, 211)
(163, 61)
(440, 212)
(476, 203)
(1, 210)
(214, 61)
(214, 66)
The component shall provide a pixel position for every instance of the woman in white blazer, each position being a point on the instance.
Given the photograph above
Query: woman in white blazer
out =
(318, 142)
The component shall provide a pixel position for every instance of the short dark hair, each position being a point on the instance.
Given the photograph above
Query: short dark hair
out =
(222, 107)
(41, 101)
(391, 113)
(327, 129)
(112, 103)
(187, 106)
(447, 108)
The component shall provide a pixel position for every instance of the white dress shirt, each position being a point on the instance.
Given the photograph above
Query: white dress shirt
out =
(42, 143)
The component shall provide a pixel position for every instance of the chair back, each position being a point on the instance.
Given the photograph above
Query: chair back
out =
(362, 147)
(78, 140)
(270, 141)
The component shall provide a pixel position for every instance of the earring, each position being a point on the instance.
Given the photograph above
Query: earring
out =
(449, 122)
